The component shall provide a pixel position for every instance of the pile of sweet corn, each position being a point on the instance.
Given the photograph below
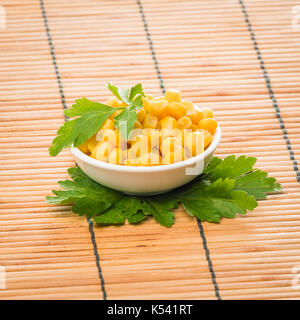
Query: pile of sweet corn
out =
(168, 130)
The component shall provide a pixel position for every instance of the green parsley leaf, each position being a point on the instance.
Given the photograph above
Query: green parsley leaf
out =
(111, 216)
(230, 167)
(257, 183)
(91, 116)
(160, 207)
(121, 94)
(129, 207)
(125, 121)
(89, 198)
(254, 182)
(104, 205)
(226, 188)
(219, 199)
(133, 98)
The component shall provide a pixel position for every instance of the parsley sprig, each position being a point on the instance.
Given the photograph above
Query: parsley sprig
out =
(133, 99)
(226, 188)
(90, 116)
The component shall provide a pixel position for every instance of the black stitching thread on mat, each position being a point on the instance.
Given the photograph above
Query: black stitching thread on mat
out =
(204, 241)
(271, 93)
(210, 265)
(91, 229)
(161, 82)
(61, 90)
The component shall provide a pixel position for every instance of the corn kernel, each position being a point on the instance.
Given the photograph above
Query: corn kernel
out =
(117, 156)
(176, 110)
(168, 123)
(158, 108)
(138, 125)
(170, 144)
(141, 115)
(149, 97)
(134, 152)
(102, 151)
(146, 103)
(91, 143)
(195, 116)
(189, 106)
(208, 124)
(130, 162)
(171, 133)
(115, 114)
(207, 138)
(184, 122)
(148, 159)
(123, 105)
(108, 124)
(112, 136)
(150, 122)
(84, 147)
(154, 138)
(193, 127)
(173, 95)
(144, 143)
(207, 113)
(194, 141)
(113, 102)
(98, 144)
(173, 157)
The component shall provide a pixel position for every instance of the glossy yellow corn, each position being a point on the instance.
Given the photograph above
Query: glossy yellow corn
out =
(112, 136)
(149, 97)
(102, 151)
(207, 113)
(141, 115)
(150, 121)
(208, 124)
(184, 122)
(194, 142)
(154, 137)
(108, 124)
(116, 156)
(173, 95)
(158, 108)
(134, 152)
(173, 157)
(189, 106)
(138, 125)
(148, 159)
(84, 147)
(193, 127)
(91, 143)
(207, 138)
(113, 102)
(176, 110)
(170, 144)
(168, 123)
(195, 116)
(146, 103)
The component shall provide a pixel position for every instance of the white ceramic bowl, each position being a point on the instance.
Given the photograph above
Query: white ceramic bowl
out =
(144, 180)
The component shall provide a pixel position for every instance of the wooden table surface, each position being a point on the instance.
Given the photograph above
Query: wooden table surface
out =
(240, 57)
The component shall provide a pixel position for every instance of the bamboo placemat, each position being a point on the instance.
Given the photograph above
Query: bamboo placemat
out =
(239, 57)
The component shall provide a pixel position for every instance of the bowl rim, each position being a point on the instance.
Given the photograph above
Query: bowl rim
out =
(122, 168)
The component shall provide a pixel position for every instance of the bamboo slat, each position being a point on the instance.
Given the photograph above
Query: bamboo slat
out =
(204, 49)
